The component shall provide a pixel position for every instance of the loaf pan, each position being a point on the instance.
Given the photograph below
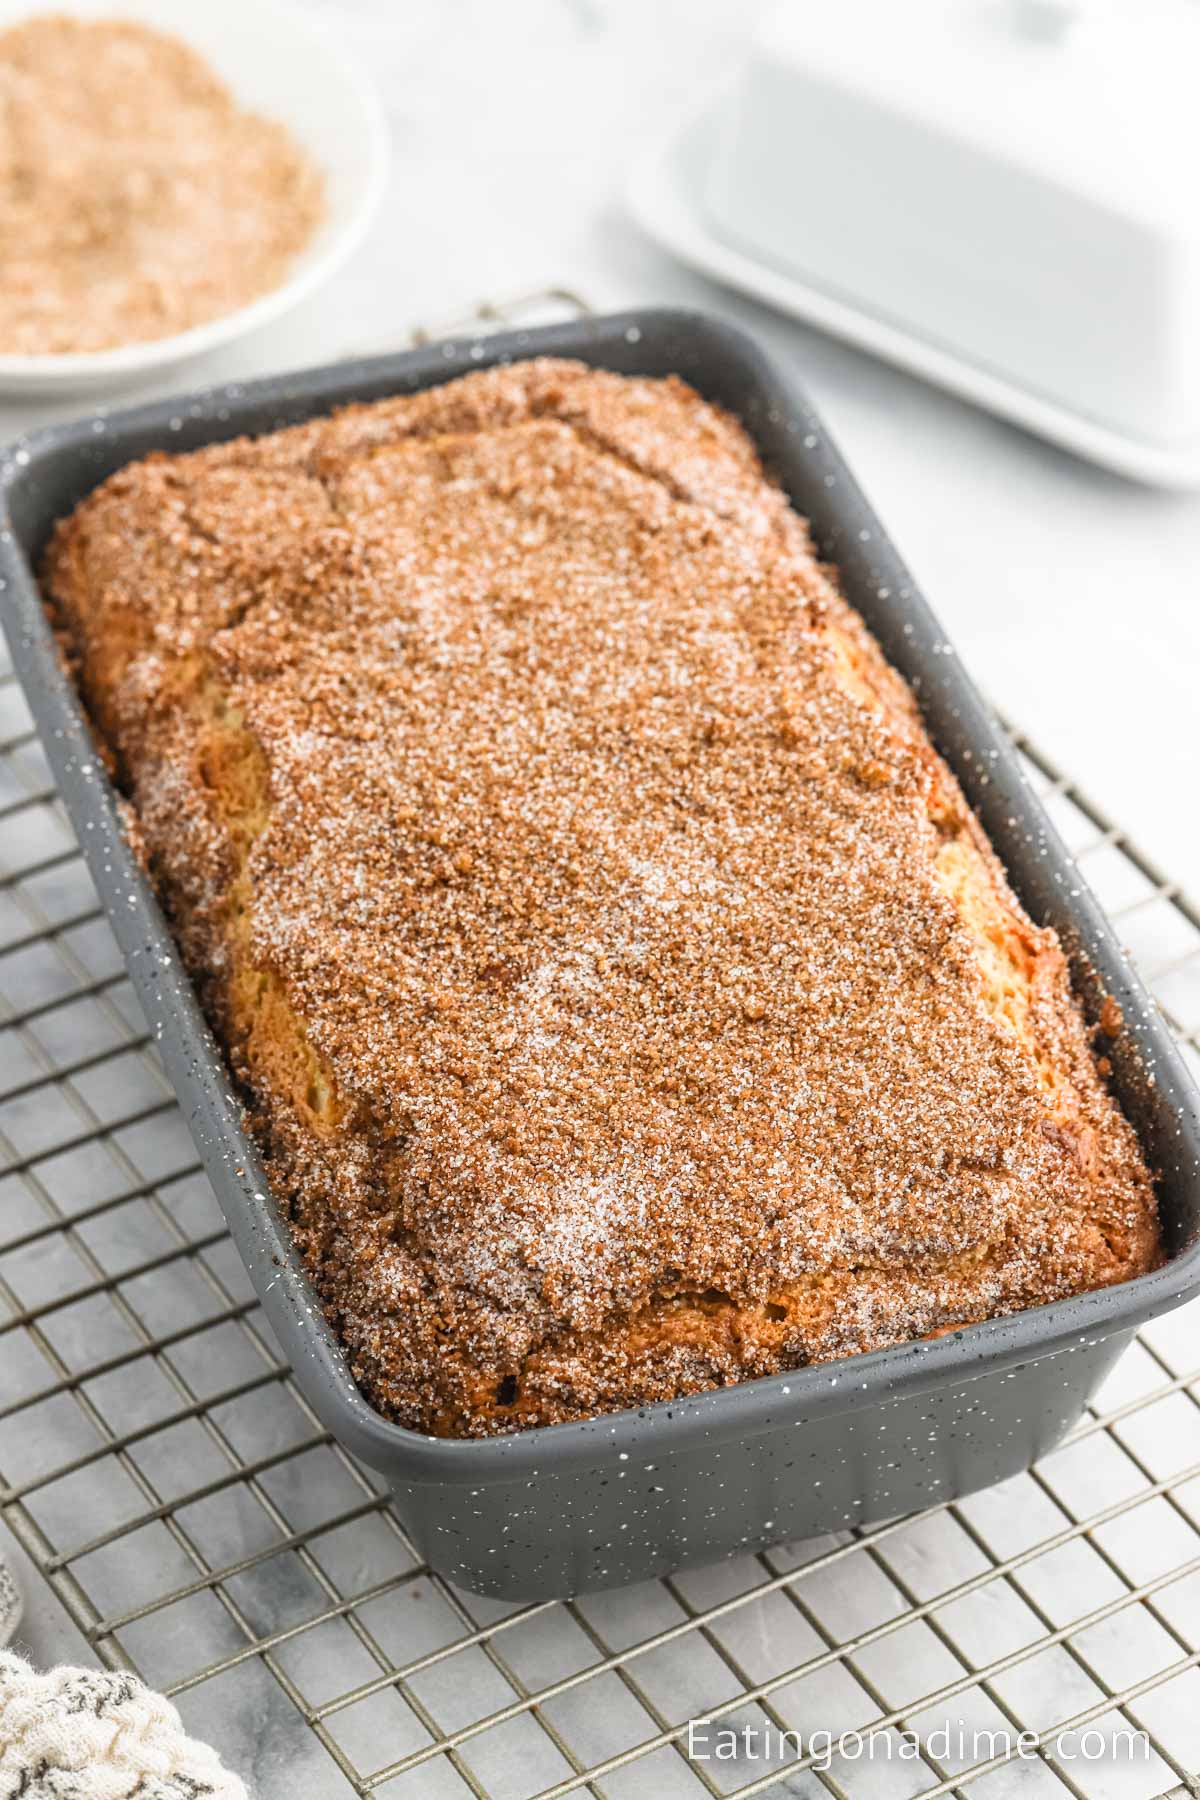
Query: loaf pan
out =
(616, 1499)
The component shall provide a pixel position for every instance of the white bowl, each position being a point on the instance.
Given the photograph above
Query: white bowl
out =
(276, 63)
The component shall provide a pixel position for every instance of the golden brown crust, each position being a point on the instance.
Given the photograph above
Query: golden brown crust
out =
(626, 999)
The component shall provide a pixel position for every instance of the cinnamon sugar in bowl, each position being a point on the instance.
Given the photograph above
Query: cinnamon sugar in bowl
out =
(170, 177)
(136, 197)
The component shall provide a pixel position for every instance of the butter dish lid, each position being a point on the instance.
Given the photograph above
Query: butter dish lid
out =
(998, 194)
(1097, 96)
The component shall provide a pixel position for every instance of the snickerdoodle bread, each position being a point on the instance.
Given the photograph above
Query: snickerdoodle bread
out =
(625, 1000)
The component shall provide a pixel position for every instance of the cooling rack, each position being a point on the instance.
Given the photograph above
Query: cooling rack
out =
(188, 1510)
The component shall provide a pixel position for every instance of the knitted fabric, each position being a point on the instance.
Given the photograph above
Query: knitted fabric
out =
(90, 1734)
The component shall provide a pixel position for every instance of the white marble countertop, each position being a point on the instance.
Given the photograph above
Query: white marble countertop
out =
(1070, 594)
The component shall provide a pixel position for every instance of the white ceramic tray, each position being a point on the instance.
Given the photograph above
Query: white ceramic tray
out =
(666, 194)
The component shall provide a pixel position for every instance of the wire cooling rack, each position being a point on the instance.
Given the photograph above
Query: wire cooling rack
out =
(199, 1525)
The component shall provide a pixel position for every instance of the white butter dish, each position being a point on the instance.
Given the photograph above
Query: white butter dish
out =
(1002, 195)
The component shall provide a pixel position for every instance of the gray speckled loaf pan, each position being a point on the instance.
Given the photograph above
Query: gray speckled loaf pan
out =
(570, 1507)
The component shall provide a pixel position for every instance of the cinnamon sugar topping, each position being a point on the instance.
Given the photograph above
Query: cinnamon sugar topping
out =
(626, 999)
